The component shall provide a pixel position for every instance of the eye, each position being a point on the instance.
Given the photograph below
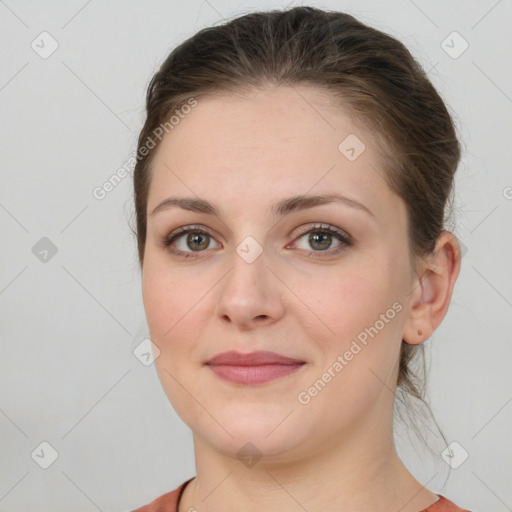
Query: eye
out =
(190, 241)
(195, 238)
(320, 238)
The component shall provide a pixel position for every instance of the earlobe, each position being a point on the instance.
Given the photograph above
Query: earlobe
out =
(430, 298)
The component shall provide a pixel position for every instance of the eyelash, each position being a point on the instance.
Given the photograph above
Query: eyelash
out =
(345, 239)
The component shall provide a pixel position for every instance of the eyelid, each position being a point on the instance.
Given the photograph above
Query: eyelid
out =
(345, 241)
(344, 238)
(167, 240)
(328, 228)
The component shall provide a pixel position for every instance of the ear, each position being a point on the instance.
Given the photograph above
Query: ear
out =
(432, 289)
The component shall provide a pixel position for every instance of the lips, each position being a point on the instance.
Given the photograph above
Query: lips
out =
(233, 358)
(253, 368)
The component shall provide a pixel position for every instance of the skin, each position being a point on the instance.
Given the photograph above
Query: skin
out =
(244, 153)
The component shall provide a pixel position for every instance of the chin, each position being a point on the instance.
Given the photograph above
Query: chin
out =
(251, 448)
(251, 433)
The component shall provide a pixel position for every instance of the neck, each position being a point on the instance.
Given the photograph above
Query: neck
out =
(356, 476)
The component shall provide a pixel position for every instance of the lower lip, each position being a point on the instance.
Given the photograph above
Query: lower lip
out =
(250, 375)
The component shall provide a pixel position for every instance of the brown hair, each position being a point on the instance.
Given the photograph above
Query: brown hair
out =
(370, 73)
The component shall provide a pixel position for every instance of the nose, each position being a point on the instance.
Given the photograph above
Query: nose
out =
(250, 295)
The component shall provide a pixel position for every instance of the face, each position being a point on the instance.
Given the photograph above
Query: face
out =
(323, 282)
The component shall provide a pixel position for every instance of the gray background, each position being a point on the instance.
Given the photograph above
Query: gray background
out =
(70, 324)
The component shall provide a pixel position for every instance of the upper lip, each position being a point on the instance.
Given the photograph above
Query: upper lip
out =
(234, 358)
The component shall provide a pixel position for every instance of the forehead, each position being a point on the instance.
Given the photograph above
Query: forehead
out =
(237, 126)
(260, 147)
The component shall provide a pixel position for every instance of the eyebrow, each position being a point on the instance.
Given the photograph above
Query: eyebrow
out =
(279, 209)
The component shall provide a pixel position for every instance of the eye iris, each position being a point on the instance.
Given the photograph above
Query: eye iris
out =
(192, 238)
(314, 236)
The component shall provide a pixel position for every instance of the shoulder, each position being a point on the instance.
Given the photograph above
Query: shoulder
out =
(444, 505)
(167, 502)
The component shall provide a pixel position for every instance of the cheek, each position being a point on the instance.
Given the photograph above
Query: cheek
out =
(156, 297)
(360, 319)
(346, 302)
(356, 315)
(172, 306)
(177, 306)
(166, 301)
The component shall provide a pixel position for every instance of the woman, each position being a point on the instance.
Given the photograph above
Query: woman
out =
(290, 189)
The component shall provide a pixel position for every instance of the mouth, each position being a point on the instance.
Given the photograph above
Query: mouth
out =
(253, 368)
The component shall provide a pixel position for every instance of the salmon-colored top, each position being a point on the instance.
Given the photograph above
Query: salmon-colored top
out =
(169, 503)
